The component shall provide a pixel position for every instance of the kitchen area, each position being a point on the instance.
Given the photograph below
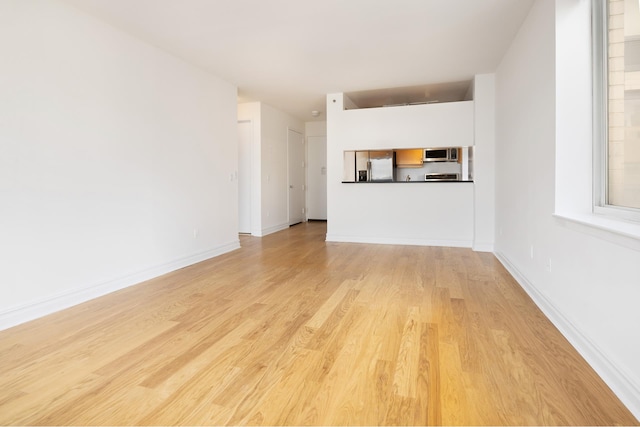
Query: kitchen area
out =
(408, 165)
(411, 174)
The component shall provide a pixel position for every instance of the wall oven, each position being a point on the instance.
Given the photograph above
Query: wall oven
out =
(442, 177)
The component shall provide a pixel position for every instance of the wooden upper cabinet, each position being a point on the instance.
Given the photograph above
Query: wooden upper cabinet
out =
(409, 158)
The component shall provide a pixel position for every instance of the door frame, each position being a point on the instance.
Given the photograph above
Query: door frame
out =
(250, 175)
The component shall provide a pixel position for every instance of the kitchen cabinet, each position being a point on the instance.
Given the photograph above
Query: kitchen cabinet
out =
(411, 158)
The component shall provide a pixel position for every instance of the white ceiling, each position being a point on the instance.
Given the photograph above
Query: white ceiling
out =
(290, 53)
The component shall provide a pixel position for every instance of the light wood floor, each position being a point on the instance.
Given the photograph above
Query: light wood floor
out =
(293, 330)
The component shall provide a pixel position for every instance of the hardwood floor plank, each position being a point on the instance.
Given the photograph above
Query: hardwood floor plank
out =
(358, 401)
(292, 330)
(330, 305)
(191, 396)
(332, 321)
(29, 410)
(397, 409)
(187, 352)
(429, 409)
(381, 389)
(336, 366)
(77, 360)
(284, 403)
(406, 366)
(466, 344)
(454, 404)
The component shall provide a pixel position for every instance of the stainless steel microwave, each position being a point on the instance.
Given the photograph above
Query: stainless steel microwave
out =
(449, 154)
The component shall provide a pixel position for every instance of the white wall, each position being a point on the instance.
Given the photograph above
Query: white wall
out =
(414, 126)
(588, 286)
(315, 129)
(275, 186)
(417, 213)
(115, 160)
(271, 169)
(484, 162)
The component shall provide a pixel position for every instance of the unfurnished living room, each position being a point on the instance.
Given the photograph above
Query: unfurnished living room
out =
(347, 212)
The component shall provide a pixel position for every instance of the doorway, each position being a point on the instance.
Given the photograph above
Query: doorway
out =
(317, 178)
(295, 150)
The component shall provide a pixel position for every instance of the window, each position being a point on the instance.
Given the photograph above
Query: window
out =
(616, 60)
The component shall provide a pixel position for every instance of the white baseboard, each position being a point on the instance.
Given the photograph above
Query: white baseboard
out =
(623, 384)
(20, 314)
(398, 241)
(483, 246)
(274, 229)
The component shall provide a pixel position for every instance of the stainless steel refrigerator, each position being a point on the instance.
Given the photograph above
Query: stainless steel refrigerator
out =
(368, 166)
(381, 166)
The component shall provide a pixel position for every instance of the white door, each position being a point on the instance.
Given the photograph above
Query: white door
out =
(245, 135)
(295, 142)
(317, 177)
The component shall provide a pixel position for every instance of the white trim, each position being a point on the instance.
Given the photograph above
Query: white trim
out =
(23, 313)
(622, 383)
(483, 246)
(600, 94)
(398, 241)
(618, 212)
(273, 229)
(600, 91)
(616, 231)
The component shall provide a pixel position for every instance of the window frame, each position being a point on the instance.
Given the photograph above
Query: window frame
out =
(600, 95)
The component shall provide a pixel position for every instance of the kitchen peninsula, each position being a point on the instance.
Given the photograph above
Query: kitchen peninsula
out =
(434, 213)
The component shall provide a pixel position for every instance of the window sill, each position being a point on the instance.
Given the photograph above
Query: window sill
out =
(620, 232)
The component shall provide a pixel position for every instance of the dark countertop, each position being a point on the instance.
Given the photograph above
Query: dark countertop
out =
(398, 182)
